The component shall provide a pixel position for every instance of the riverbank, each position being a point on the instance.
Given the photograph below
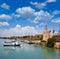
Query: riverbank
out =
(37, 39)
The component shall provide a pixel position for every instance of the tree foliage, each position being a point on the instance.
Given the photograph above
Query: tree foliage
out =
(51, 42)
(41, 37)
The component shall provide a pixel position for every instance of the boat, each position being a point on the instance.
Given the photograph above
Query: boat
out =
(11, 43)
(28, 42)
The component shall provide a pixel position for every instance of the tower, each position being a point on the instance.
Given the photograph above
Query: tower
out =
(46, 34)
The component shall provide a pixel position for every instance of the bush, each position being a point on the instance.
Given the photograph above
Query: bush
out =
(51, 42)
(41, 37)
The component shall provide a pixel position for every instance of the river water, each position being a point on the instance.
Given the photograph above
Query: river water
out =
(28, 51)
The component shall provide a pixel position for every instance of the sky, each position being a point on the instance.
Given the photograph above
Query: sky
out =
(28, 17)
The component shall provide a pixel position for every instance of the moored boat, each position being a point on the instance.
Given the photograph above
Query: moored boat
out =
(11, 43)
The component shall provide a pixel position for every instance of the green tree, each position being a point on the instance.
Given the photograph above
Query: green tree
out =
(53, 32)
(41, 37)
(51, 42)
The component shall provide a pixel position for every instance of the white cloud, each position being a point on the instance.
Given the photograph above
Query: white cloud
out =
(51, 0)
(39, 5)
(34, 3)
(5, 6)
(42, 4)
(36, 20)
(6, 17)
(4, 24)
(18, 26)
(15, 15)
(24, 10)
(19, 31)
(57, 20)
(42, 15)
(56, 12)
(40, 24)
(32, 15)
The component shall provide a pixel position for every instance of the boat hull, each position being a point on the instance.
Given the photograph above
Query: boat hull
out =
(12, 45)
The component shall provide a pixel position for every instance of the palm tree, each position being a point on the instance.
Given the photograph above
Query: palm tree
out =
(50, 31)
(53, 32)
(59, 31)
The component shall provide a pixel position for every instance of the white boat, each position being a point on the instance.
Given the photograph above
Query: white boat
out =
(11, 43)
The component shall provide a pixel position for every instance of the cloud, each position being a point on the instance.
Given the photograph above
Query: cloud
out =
(38, 5)
(5, 6)
(15, 15)
(19, 31)
(18, 26)
(42, 15)
(4, 24)
(42, 4)
(36, 20)
(57, 20)
(56, 12)
(33, 16)
(24, 10)
(6, 17)
(51, 1)
(40, 25)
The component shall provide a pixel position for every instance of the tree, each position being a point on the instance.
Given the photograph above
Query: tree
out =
(53, 32)
(51, 42)
(50, 31)
(59, 31)
(41, 37)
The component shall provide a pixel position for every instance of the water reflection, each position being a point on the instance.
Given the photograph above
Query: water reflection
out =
(27, 51)
(7, 50)
(10, 48)
(51, 53)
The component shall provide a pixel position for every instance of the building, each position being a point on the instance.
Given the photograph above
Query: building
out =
(57, 37)
(57, 45)
(46, 34)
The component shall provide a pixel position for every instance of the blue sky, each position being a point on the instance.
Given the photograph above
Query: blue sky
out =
(28, 17)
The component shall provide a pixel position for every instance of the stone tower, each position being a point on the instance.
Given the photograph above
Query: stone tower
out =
(46, 34)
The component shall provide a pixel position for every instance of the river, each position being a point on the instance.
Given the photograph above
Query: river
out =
(28, 51)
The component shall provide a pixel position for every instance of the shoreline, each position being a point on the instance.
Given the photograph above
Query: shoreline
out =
(31, 41)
